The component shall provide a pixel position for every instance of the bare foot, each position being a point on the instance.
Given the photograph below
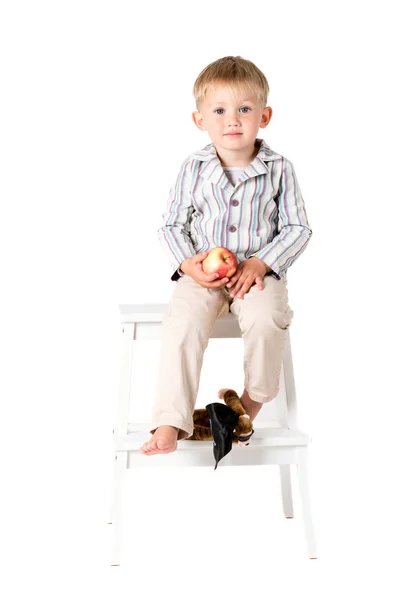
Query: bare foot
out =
(163, 441)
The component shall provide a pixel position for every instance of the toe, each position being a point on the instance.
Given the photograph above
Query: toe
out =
(163, 444)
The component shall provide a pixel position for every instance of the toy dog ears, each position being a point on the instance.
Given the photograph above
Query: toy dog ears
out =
(223, 420)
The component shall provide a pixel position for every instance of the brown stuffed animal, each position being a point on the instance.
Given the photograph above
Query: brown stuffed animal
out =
(240, 424)
(225, 424)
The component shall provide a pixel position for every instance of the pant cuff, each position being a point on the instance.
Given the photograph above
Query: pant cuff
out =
(186, 429)
(259, 398)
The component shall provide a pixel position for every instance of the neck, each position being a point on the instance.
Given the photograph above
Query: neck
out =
(237, 158)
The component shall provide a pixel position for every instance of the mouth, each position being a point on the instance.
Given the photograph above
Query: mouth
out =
(232, 134)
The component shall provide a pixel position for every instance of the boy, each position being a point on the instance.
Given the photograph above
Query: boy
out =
(237, 193)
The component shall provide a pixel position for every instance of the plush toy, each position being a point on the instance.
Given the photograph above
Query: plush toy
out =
(225, 424)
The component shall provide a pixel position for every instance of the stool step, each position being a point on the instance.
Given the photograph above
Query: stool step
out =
(149, 316)
(262, 437)
(142, 313)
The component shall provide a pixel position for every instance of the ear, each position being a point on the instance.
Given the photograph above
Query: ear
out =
(266, 117)
(198, 120)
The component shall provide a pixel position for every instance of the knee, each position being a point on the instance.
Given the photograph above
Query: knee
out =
(267, 323)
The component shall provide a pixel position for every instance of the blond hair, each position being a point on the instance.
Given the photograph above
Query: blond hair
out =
(235, 71)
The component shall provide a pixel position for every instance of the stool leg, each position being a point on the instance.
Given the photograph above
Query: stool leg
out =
(302, 471)
(290, 387)
(127, 351)
(286, 487)
(117, 506)
(114, 480)
(127, 339)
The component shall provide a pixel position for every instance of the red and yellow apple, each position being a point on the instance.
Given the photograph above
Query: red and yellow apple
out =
(220, 260)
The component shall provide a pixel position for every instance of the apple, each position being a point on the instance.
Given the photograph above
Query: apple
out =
(220, 260)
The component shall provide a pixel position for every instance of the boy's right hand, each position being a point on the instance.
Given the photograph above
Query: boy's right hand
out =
(192, 267)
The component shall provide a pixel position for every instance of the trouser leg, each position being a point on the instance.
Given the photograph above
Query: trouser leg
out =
(186, 330)
(264, 317)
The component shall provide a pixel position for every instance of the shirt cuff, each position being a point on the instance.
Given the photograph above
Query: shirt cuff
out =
(273, 273)
(177, 274)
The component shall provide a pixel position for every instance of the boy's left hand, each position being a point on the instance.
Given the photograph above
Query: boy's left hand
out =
(248, 272)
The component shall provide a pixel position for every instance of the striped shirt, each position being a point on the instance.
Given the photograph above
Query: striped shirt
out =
(263, 215)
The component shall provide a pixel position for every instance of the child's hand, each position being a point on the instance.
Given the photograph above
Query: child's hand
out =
(248, 272)
(192, 267)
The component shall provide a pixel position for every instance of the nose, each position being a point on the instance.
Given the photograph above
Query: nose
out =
(233, 119)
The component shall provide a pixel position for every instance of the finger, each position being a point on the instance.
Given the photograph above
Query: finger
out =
(237, 286)
(245, 288)
(219, 283)
(233, 279)
(259, 282)
(210, 278)
(198, 258)
(235, 276)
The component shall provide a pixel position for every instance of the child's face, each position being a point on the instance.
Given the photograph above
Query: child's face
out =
(226, 110)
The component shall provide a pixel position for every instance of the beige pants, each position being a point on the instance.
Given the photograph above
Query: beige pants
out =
(263, 315)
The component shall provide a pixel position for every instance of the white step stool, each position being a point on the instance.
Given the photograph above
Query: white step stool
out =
(276, 441)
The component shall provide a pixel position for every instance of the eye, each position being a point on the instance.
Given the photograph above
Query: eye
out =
(217, 109)
(245, 107)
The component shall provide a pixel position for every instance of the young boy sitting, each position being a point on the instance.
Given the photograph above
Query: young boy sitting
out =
(237, 193)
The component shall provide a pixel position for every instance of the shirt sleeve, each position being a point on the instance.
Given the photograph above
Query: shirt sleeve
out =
(174, 233)
(293, 228)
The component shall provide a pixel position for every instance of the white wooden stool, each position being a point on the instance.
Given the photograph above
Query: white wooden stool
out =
(276, 439)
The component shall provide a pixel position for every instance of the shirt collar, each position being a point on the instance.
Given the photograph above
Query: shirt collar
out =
(211, 168)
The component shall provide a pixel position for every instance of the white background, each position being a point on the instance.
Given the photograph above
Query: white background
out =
(96, 101)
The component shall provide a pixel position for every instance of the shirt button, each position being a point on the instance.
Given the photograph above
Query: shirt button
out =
(235, 202)
(232, 228)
